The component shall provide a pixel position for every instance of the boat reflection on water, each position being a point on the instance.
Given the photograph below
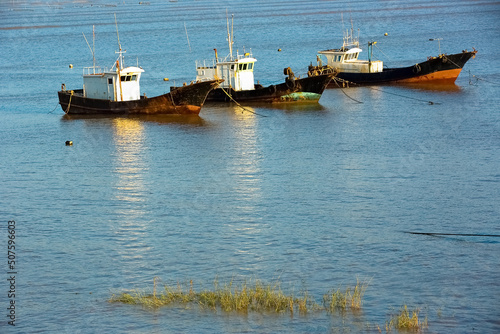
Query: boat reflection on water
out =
(433, 87)
(129, 190)
(129, 161)
(119, 145)
(265, 109)
(160, 118)
(242, 180)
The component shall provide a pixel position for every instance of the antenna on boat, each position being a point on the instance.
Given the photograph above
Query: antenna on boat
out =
(189, 44)
(439, 43)
(93, 44)
(352, 27)
(230, 34)
(119, 62)
(342, 19)
(92, 50)
(120, 52)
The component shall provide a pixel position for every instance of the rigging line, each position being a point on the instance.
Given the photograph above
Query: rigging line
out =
(478, 78)
(457, 234)
(88, 45)
(50, 112)
(408, 97)
(337, 82)
(189, 44)
(451, 61)
(239, 105)
(470, 79)
(383, 52)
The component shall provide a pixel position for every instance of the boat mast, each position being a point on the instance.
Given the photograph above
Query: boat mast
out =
(370, 54)
(230, 35)
(92, 50)
(119, 62)
(120, 52)
(439, 43)
(93, 45)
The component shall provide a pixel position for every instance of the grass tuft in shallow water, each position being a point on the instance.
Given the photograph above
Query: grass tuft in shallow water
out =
(340, 300)
(406, 320)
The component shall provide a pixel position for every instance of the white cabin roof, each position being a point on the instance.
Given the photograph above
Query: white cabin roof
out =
(246, 60)
(341, 51)
(131, 69)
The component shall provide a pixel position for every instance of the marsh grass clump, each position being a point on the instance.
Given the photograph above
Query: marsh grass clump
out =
(406, 320)
(352, 298)
(255, 296)
(168, 296)
(227, 297)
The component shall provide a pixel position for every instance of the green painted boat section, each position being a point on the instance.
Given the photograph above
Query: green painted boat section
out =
(301, 96)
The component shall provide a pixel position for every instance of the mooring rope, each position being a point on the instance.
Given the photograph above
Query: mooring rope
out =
(451, 61)
(337, 83)
(408, 97)
(480, 79)
(50, 112)
(380, 90)
(239, 105)
(172, 99)
(69, 104)
(457, 234)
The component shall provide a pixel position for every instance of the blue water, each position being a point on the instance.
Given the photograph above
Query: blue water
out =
(313, 197)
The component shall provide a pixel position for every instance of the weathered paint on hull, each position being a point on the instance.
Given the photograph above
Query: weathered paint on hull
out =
(185, 100)
(301, 96)
(290, 91)
(447, 76)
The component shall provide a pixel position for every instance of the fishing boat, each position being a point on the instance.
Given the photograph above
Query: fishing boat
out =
(443, 69)
(117, 91)
(239, 83)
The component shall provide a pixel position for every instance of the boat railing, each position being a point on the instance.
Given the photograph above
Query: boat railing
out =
(94, 70)
(238, 56)
(205, 64)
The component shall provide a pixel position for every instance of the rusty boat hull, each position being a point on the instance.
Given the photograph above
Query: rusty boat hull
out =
(443, 69)
(185, 100)
(293, 90)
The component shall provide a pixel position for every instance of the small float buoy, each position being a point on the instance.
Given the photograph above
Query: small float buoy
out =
(70, 65)
(69, 143)
(386, 34)
(165, 79)
(279, 50)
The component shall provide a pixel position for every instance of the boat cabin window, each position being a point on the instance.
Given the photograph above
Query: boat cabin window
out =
(232, 66)
(250, 66)
(110, 81)
(243, 67)
(128, 78)
(351, 56)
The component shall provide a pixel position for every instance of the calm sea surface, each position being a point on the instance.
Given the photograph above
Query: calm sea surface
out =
(313, 197)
